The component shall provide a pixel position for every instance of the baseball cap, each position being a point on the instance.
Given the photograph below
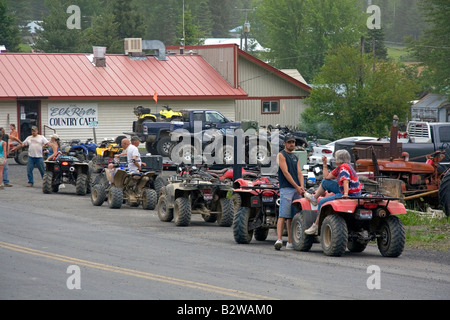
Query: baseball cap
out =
(34, 128)
(289, 137)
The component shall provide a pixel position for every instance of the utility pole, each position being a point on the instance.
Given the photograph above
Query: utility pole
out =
(246, 26)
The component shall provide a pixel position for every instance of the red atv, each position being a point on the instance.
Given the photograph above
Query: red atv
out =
(351, 223)
(256, 208)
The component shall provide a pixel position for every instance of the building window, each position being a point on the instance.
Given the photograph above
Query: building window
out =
(270, 106)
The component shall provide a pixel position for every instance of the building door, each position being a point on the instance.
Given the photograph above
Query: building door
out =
(29, 112)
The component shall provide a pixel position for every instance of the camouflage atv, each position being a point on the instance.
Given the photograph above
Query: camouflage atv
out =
(196, 191)
(122, 187)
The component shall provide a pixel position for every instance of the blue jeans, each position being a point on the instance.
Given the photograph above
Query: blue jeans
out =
(5, 173)
(32, 162)
(332, 186)
(287, 195)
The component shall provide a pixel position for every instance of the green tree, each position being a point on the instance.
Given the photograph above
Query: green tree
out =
(56, 37)
(104, 32)
(350, 98)
(433, 48)
(192, 33)
(300, 32)
(130, 20)
(9, 31)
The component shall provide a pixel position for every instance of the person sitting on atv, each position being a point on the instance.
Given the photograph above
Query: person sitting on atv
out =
(133, 156)
(346, 185)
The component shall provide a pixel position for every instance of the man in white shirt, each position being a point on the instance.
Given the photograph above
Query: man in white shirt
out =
(133, 155)
(35, 143)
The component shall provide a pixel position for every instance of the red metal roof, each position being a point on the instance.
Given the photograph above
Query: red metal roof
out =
(73, 76)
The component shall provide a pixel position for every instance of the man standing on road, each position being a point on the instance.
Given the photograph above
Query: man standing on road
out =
(291, 187)
(35, 143)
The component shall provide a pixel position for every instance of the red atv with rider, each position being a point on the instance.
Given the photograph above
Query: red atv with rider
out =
(351, 223)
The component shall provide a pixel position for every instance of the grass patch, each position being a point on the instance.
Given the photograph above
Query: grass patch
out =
(399, 54)
(425, 232)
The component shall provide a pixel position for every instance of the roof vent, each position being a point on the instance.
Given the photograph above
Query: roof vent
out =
(99, 56)
(133, 45)
(157, 46)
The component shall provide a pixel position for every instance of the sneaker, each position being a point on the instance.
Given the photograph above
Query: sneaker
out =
(8, 185)
(278, 244)
(313, 230)
(289, 246)
(311, 198)
(30, 185)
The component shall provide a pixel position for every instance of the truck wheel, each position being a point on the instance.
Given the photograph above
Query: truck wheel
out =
(259, 154)
(444, 193)
(115, 198)
(225, 217)
(47, 182)
(300, 240)
(163, 145)
(98, 195)
(164, 213)
(392, 237)
(334, 235)
(225, 154)
(240, 226)
(182, 212)
(81, 184)
(149, 199)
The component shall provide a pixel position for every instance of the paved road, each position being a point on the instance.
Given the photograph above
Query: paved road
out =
(60, 246)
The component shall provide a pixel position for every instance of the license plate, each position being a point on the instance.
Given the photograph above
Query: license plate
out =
(207, 197)
(365, 214)
(267, 199)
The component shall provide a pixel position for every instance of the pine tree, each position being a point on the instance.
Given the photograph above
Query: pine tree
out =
(9, 31)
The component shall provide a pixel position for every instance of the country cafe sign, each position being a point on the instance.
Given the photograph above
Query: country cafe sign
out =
(72, 115)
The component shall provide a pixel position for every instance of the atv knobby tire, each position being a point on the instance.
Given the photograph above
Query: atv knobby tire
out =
(392, 237)
(149, 199)
(226, 215)
(98, 195)
(240, 226)
(47, 182)
(334, 235)
(182, 212)
(165, 213)
(160, 183)
(81, 184)
(115, 198)
(300, 240)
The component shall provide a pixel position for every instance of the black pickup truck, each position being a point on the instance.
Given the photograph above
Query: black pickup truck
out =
(426, 138)
(156, 135)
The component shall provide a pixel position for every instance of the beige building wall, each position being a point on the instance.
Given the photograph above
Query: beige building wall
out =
(116, 117)
(290, 110)
(8, 114)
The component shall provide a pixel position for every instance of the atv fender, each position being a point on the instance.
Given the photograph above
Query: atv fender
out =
(301, 204)
(82, 168)
(119, 178)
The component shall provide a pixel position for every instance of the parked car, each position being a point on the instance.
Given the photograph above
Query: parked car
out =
(328, 149)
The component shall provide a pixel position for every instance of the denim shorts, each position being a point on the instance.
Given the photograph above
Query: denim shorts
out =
(287, 195)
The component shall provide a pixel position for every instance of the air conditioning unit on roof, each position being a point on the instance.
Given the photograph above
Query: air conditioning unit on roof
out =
(133, 45)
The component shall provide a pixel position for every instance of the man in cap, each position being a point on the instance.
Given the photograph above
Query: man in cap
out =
(35, 144)
(291, 187)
